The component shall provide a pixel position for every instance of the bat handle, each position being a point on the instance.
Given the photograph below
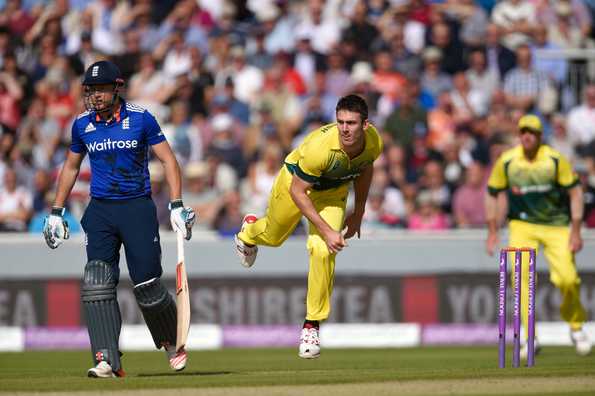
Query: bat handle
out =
(180, 239)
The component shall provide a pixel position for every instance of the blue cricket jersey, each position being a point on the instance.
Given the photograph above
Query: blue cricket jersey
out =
(118, 150)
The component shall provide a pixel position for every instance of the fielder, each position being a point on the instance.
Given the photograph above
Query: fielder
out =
(314, 182)
(544, 196)
(117, 135)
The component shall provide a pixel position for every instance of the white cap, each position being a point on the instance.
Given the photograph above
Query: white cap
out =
(361, 72)
(222, 122)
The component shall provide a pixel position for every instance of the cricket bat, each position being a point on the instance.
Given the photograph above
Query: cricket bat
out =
(182, 297)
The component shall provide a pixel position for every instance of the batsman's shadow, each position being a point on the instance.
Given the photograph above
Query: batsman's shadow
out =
(186, 373)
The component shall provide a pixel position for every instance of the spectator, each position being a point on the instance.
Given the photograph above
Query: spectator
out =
(261, 175)
(499, 58)
(182, 135)
(523, 85)
(224, 146)
(468, 200)
(228, 219)
(517, 19)
(433, 79)
(199, 195)
(427, 216)
(480, 77)
(407, 120)
(581, 129)
(15, 204)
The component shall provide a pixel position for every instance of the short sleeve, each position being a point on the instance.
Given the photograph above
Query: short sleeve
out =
(498, 180)
(311, 163)
(153, 132)
(76, 144)
(567, 178)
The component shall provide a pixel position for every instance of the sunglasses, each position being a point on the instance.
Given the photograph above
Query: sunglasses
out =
(531, 131)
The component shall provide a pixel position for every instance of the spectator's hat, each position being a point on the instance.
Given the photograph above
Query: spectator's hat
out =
(530, 122)
(432, 54)
(222, 122)
(563, 8)
(267, 13)
(361, 72)
(197, 169)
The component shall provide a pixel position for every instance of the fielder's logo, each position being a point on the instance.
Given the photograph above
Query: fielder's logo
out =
(95, 71)
(126, 123)
(90, 128)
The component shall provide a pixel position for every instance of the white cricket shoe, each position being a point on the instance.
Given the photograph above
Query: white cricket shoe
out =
(309, 343)
(524, 352)
(581, 342)
(102, 370)
(177, 360)
(247, 254)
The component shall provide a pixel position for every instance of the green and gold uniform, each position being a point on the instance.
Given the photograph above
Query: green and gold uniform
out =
(321, 161)
(539, 214)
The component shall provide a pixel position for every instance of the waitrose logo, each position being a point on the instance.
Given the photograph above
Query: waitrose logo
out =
(108, 144)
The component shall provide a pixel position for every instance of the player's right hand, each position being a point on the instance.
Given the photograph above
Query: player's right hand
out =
(492, 242)
(334, 241)
(55, 228)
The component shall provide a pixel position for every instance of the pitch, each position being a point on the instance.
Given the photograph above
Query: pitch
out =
(416, 371)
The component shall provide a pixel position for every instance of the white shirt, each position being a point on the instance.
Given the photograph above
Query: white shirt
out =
(247, 83)
(13, 201)
(506, 14)
(581, 125)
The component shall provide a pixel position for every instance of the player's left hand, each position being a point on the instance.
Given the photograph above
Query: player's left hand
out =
(182, 218)
(575, 242)
(55, 228)
(353, 225)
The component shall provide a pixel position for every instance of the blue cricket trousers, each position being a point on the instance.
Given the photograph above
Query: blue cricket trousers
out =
(108, 224)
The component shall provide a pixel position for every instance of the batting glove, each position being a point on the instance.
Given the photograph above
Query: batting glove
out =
(182, 218)
(55, 228)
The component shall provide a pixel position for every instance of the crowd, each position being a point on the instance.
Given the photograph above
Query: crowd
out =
(235, 86)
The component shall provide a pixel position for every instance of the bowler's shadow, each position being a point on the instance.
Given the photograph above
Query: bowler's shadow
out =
(186, 373)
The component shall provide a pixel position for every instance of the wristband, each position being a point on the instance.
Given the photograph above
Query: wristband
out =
(57, 211)
(177, 203)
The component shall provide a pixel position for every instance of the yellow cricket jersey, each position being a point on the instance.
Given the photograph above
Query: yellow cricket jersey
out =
(320, 160)
(537, 190)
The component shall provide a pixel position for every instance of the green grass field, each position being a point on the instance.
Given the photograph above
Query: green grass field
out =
(419, 371)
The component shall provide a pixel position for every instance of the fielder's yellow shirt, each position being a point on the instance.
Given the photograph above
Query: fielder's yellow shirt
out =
(537, 190)
(320, 160)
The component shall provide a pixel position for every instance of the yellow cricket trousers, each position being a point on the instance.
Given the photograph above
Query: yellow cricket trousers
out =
(282, 216)
(563, 275)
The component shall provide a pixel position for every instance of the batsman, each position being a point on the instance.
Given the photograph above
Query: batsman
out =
(117, 136)
(314, 182)
(545, 207)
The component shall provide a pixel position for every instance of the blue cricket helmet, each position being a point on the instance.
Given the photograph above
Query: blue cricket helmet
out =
(103, 72)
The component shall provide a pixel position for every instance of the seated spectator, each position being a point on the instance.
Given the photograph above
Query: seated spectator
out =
(427, 216)
(581, 128)
(432, 182)
(199, 195)
(38, 220)
(228, 219)
(468, 200)
(224, 146)
(182, 135)
(433, 79)
(517, 18)
(15, 204)
(524, 85)
(481, 77)
(261, 176)
(376, 216)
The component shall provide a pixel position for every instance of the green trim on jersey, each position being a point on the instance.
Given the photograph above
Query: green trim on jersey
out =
(537, 190)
